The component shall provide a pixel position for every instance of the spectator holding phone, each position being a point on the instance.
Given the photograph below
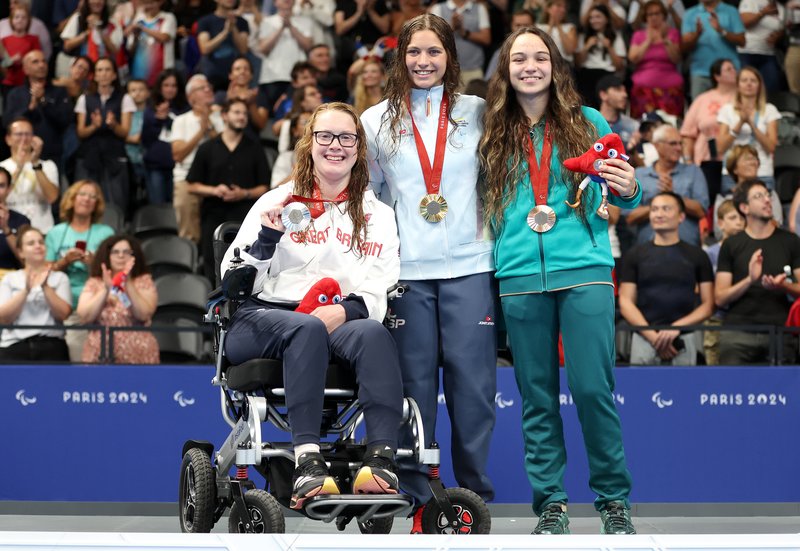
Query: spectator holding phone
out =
(72, 243)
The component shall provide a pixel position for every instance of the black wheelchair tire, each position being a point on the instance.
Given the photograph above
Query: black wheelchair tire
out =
(471, 511)
(197, 492)
(381, 525)
(264, 510)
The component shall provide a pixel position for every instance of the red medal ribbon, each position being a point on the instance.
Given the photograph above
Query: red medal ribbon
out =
(540, 174)
(316, 205)
(432, 174)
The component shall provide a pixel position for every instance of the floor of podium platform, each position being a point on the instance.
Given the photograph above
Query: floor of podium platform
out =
(500, 524)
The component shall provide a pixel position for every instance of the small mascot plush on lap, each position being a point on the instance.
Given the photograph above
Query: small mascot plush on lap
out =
(324, 292)
(591, 163)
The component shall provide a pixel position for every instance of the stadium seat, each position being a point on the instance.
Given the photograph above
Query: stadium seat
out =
(181, 346)
(787, 183)
(182, 295)
(167, 254)
(114, 217)
(785, 101)
(152, 220)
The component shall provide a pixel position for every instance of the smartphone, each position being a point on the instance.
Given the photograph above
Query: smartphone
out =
(679, 345)
(712, 148)
(81, 245)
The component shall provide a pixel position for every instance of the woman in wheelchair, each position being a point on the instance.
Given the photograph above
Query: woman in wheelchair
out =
(352, 238)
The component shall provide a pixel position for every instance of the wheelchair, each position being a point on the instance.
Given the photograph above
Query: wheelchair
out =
(251, 394)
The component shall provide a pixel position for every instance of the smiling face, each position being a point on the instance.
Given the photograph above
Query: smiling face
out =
(530, 68)
(665, 213)
(241, 74)
(597, 20)
(426, 59)
(333, 162)
(86, 200)
(746, 166)
(32, 249)
(119, 256)
(372, 75)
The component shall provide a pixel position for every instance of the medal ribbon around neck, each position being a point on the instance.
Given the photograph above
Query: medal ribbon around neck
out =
(432, 174)
(540, 173)
(316, 204)
(541, 217)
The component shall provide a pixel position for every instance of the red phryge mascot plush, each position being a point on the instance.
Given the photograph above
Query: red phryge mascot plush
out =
(324, 292)
(608, 147)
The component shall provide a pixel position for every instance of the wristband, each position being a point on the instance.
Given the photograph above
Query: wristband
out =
(37, 166)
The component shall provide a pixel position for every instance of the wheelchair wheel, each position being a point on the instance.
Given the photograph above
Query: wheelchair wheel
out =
(376, 525)
(473, 514)
(197, 493)
(264, 510)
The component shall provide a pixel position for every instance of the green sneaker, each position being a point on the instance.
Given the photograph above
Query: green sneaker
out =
(616, 519)
(553, 520)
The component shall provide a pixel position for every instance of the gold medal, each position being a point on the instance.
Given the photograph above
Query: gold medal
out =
(433, 207)
(296, 216)
(541, 218)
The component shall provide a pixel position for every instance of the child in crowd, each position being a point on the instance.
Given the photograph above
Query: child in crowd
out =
(17, 44)
(730, 223)
(140, 93)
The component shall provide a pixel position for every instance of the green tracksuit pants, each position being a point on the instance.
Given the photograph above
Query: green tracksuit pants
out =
(585, 317)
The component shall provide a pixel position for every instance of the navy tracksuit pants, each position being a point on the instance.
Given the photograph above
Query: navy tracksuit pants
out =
(259, 330)
(455, 317)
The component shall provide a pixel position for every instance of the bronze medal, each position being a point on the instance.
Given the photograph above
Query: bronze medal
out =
(541, 218)
(296, 216)
(433, 207)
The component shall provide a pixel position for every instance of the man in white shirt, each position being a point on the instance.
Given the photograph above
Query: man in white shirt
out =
(188, 132)
(34, 182)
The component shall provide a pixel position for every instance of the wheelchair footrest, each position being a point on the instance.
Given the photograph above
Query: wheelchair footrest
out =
(363, 507)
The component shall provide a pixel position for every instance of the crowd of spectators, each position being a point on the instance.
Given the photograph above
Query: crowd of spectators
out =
(198, 104)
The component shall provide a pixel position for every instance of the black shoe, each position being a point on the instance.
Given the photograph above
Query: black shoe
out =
(377, 473)
(616, 519)
(311, 478)
(553, 520)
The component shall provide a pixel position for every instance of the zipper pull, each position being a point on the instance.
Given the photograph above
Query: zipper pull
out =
(428, 105)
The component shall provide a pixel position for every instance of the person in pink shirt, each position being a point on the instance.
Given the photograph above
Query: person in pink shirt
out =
(656, 52)
(700, 124)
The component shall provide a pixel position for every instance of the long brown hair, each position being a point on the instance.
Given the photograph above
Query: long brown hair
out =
(399, 84)
(503, 147)
(304, 178)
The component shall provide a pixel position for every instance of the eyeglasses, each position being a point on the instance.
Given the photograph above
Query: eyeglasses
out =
(758, 196)
(87, 195)
(22, 134)
(326, 138)
(672, 143)
(121, 252)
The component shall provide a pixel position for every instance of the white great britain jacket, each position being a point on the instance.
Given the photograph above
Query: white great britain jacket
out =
(288, 267)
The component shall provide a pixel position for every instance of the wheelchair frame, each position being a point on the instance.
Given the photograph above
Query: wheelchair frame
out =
(454, 510)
